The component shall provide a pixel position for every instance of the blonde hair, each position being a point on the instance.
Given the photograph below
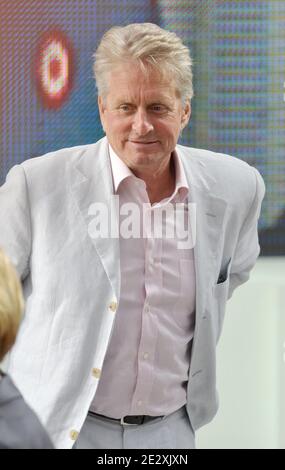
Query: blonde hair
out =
(148, 45)
(11, 304)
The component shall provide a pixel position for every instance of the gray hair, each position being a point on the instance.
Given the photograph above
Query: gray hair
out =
(149, 46)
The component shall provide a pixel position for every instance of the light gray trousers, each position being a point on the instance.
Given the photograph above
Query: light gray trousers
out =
(171, 432)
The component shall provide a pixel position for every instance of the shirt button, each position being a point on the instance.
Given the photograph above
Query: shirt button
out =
(73, 435)
(140, 403)
(96, 373)
(113, 306)
(145, 356)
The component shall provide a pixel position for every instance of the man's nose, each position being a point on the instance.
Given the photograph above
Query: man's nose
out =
(141, 123)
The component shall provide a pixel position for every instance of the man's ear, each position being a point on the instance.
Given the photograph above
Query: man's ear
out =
(186, 113)
(101, 107)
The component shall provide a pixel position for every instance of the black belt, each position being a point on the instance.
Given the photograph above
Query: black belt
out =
(132, 419)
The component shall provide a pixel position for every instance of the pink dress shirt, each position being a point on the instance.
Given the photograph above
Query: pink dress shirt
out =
(145, 370)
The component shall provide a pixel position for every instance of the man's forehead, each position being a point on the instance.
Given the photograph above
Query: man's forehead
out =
(124, 91)
(134, 81)
(148, 94)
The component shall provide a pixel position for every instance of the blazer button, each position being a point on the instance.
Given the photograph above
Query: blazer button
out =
(74, 435)
(96, 373)
(113, 306)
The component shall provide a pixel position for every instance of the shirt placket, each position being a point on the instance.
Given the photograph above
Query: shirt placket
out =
(149, 319)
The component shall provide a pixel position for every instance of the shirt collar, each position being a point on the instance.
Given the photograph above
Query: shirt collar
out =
(181, 184)
(121, 172)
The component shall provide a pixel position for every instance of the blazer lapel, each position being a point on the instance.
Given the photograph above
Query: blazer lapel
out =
(91, 182)
(210, 211)
(209, 222)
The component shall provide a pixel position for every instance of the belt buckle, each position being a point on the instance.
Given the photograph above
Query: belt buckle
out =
(127, 424)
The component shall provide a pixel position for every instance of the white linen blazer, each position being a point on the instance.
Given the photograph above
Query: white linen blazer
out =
(71, 281)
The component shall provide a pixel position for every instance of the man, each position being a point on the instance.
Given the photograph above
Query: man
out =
(117, 349)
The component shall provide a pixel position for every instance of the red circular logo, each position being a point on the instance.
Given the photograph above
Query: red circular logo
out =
(54, 68)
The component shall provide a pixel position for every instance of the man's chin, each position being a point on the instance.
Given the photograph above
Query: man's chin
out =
(143, 159)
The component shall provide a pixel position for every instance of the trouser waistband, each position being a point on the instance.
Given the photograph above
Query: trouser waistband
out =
(128, 420)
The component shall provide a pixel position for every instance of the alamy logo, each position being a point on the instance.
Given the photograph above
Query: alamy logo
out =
(131, 220)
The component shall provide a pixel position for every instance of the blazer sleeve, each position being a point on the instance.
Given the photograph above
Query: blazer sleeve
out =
(247, 248)
(15, 231)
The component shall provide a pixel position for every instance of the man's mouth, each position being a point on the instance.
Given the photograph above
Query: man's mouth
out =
(140, 142)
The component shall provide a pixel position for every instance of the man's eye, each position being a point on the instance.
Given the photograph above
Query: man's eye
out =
(158, 108)
(125, 107)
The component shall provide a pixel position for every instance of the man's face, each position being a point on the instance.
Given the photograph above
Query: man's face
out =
(142, 117)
